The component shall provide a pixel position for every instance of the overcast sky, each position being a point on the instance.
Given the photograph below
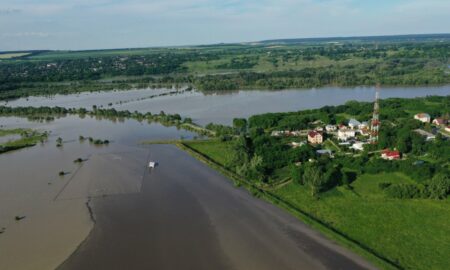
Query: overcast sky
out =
(95, 24)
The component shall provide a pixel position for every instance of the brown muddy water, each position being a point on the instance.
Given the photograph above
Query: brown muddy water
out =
(187, 216)
(55, 217)
(112, 212)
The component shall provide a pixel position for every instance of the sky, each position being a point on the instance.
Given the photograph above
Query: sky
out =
(103, 24)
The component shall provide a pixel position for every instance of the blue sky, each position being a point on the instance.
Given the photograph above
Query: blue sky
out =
(95, 24)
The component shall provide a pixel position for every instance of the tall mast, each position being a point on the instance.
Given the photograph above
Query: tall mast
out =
(375, 124)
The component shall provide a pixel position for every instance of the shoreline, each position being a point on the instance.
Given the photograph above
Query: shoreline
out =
(307, 218)
(232, 229)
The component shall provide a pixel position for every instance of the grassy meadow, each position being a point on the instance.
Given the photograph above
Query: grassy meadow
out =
(411, 233)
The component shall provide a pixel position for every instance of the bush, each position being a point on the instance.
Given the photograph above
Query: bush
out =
(438, 187)
(403, 191)
(384, 185)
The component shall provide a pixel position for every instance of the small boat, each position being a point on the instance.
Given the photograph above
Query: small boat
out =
(152, 164)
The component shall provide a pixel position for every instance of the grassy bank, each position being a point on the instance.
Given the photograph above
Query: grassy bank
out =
(27, 138)
(392, 233)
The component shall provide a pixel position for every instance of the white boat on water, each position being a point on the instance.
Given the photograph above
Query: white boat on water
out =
(152, 164)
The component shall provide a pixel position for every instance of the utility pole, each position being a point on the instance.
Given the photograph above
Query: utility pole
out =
(375, 124)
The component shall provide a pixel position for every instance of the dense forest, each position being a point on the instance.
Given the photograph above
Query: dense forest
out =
(216, 68)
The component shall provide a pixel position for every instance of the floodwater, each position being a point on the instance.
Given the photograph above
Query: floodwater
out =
(112, 212)
(55, 217)
(187, 216)
(222, 107)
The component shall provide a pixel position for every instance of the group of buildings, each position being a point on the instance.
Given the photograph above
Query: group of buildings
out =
(346, 134)
(439, 121)
(354, 135)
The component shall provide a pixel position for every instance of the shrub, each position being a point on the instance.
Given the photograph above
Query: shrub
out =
(438, 187)
(384, 185)
(403, 191)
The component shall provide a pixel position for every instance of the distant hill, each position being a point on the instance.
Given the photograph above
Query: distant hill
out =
(394, 38)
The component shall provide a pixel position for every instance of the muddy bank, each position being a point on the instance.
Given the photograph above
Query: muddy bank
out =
(187, 216)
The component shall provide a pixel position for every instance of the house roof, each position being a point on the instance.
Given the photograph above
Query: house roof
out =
(391, 153)
(313, 133)
(423, 115)
(440, 121)
(324, 151)
(354, 122)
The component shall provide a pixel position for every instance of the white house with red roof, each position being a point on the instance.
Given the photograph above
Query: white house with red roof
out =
(315, 137)
(390, 154)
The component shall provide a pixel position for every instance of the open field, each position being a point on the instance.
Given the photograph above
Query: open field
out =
(224, 67)
(221, 152)
(410, 233)
(12, 55)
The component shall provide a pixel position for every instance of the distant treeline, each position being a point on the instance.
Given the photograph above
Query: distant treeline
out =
(230, 68)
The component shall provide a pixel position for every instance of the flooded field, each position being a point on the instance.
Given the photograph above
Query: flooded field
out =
(55, 212)
(222, 107)
(52, 210)
(187, 216)
(112, 211)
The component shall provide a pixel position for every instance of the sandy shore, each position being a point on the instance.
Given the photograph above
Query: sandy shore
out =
(187, 216)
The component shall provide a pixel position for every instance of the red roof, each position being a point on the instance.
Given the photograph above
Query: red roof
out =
(314, 134)
(391, 153)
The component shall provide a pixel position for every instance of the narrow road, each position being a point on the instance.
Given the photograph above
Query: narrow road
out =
(187, 216)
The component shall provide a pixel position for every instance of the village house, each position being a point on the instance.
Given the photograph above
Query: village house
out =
(321, 152)
(353, 123)
(447, 128)
(439, 121)
(363, 125)
(297, 144)
(423, 117)
(359, 146)
(345, 134)
(315, 137)
(330, 128)
(280, 133)
(390, 154)
(277, 133)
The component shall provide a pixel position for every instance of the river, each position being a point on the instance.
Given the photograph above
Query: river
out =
(222, 107)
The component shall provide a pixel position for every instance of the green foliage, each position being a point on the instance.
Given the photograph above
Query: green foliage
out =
(314, 178)
(403, 191)
(439, 187)
(27, 138)
(247, 66)
(240, 125)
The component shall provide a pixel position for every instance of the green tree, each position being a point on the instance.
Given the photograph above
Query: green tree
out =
(242, 151)
(439, 186)
(240, 124)
(313, 177)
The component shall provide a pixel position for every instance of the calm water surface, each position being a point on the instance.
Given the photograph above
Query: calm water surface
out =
(223, 107)
(56, 219)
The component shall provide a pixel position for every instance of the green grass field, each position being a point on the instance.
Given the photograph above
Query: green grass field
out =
(12, 55)
(220, 152)
(28, 138)
(413, 234)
